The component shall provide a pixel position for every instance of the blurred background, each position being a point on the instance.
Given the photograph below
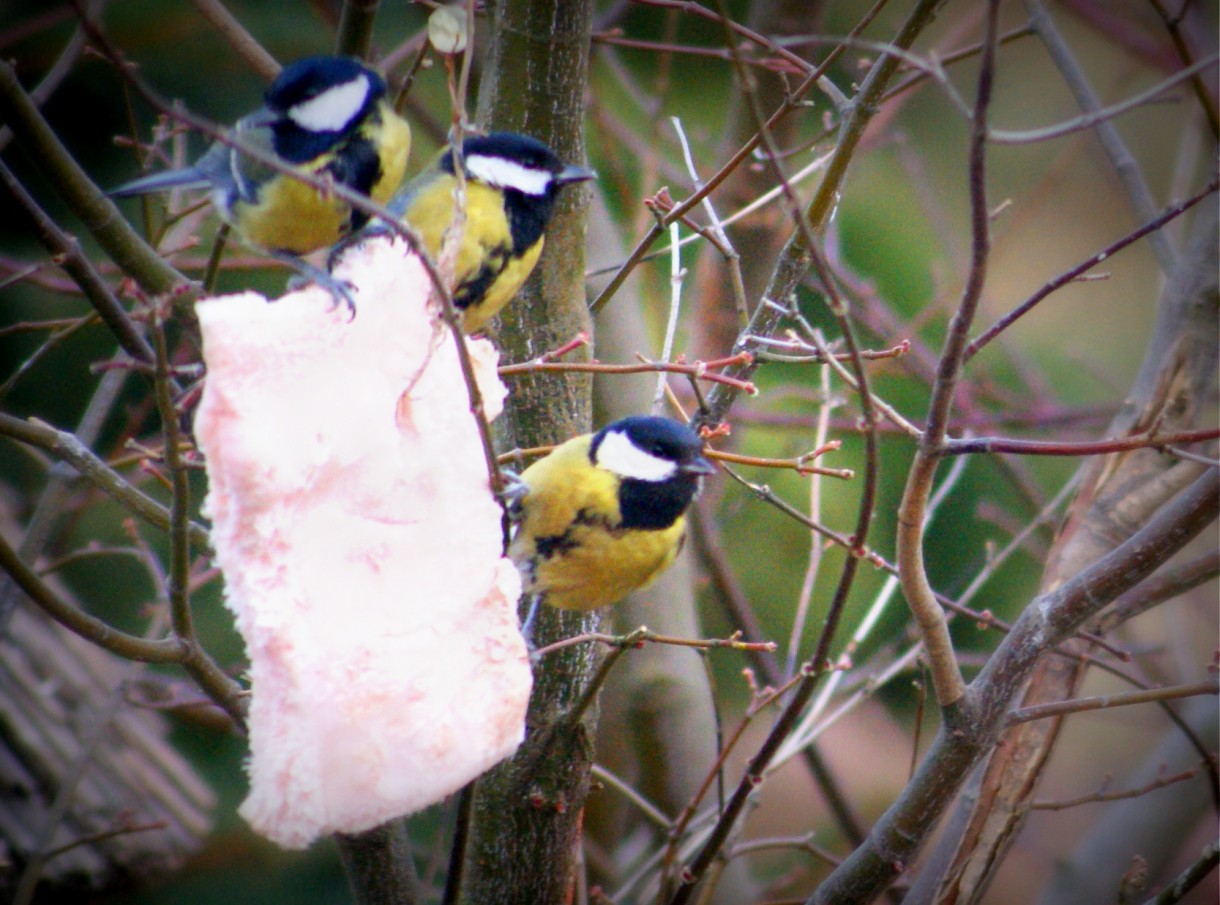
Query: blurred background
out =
(899, 243)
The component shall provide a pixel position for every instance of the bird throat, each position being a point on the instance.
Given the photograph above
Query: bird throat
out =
(655, 505)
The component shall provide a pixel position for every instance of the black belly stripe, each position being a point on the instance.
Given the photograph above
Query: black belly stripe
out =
(552, 545)
(590, 519)
(655, 505)
(476, 286)
(357, 166)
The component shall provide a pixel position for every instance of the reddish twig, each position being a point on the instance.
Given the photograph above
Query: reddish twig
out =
(800, 464)
(644, 635)
(1076, 272)
(795, 350)
(699, 370)
(1101, 795)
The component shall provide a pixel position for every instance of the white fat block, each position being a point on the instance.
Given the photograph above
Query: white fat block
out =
(360, 546)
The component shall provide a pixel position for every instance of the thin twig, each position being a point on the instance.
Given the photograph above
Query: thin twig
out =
(644, 635)
(1100, 115)
(1074, 273)
(697, 370)
(1121, 159)
(1189, 878)
(912, 511)
(799, 254)
(1202, 91)
(67, 448)
(1122, 699)
(211, 679)
(87, 201)
(628, 791)
(1120, 795)
(66, 251)
(1152, 440)
(92, 629)
(800, 464)
(1045, 621)
(813, 564)
(257, 56)
(61, 68)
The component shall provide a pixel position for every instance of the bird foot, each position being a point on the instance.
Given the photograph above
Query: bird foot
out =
(341, 291)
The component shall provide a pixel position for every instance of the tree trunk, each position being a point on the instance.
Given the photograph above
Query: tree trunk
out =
(528, 810)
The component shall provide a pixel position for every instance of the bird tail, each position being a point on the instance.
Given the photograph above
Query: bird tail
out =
(187, 177)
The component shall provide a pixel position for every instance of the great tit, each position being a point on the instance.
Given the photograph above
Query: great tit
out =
(323, 116)
(512, 182)
(604, 514)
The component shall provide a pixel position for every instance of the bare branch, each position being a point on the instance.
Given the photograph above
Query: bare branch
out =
(1151, 440)
(66, 447)
(87, 201)
(132, 647)
(1111, 142)
(912, 511)
(1063, 279)
(239, 38)
(1191, 877)
(1101, 702)
(897, 837)
(1103, 795)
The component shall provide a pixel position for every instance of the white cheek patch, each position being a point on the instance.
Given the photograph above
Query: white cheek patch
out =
(333, 109)
(505, 174)
(618, 454)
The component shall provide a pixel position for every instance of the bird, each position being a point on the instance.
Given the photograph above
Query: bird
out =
(322, 116)
(512, 181)
(604, 513)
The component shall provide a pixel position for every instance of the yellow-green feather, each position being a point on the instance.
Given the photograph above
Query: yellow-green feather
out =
(486, 241)
(294, 217)
(601, 565)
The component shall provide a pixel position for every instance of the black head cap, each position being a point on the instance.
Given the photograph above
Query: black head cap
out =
(307, 78)
(526, 171)
(304, 120)
(660, 465)
(526, 153)
(662, 438)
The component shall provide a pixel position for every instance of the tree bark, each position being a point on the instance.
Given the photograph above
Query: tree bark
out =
(1178, 376)
(528, 810)
(1117, 495)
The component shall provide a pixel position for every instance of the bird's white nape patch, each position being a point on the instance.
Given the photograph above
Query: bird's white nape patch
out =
(617, 453)
(507, 174)
(333, 109)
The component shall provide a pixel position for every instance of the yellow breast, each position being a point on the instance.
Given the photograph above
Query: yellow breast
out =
(395, 148)
(487, 274)
(294, 217)
(570, 545)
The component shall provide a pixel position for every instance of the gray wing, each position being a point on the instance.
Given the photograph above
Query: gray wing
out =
(407, 194)
(232, 174)
(187, 177)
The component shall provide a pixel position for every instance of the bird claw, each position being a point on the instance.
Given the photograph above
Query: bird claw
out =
(340, 290)
(512, 494)
(340, 248)
(527, 625)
